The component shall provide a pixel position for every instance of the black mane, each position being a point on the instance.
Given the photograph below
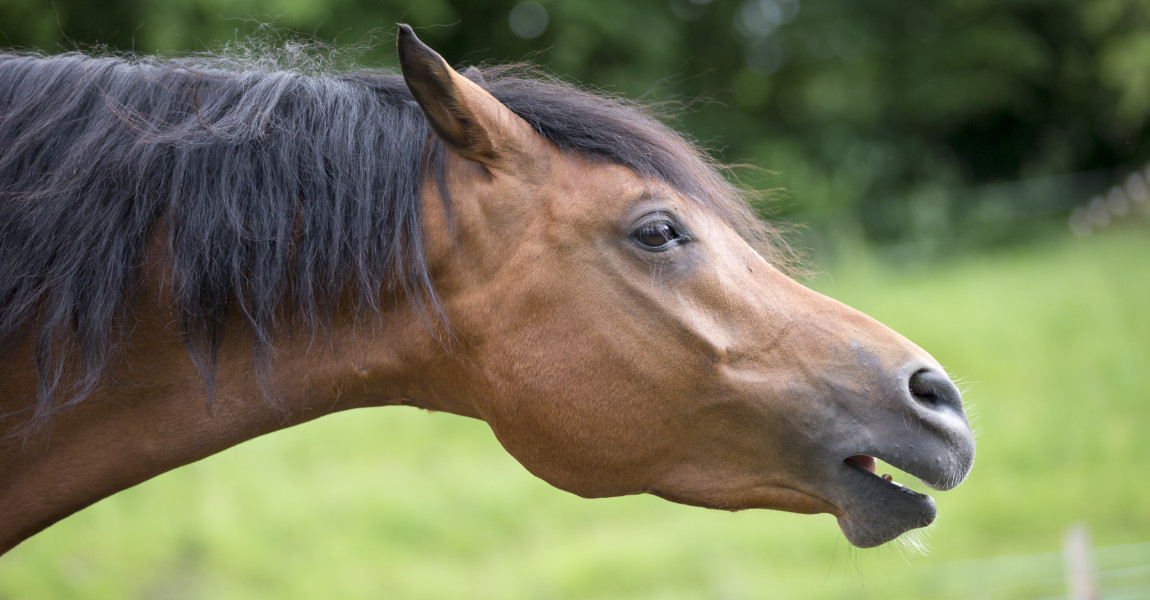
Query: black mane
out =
(267, 187)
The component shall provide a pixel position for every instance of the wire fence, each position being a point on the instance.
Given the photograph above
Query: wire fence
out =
(1078, 572)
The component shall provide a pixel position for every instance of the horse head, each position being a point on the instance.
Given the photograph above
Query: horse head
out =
(621, 334)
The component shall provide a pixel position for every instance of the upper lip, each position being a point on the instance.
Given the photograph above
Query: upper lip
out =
(868, 465)
(937, 472)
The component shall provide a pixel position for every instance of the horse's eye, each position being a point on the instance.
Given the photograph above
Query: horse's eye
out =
(657, 235)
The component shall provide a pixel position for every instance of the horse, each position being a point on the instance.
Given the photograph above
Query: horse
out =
(198, 251)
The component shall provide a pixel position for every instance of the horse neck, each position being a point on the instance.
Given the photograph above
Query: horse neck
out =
(153, 415)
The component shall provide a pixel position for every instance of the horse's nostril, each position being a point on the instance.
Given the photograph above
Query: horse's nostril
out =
(934, 389)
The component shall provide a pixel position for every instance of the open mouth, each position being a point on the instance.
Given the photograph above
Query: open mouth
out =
(863, 461)
(876, 508)
(870, 465)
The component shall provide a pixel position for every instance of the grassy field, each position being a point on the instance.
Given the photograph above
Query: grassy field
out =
(1052, 342)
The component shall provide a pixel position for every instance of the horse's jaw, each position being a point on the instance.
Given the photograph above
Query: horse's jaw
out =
(877, 510)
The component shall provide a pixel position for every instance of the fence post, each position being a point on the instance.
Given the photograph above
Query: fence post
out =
(1080, 581)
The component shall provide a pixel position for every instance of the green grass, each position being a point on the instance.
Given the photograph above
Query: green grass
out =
(1053, 343)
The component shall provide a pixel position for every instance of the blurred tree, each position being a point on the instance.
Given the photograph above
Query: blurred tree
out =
(894, 117)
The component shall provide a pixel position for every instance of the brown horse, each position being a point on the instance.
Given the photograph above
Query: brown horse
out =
(553, 262)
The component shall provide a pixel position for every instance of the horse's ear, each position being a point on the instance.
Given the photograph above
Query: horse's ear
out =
(460, 112)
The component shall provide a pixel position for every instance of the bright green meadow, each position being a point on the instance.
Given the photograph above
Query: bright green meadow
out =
(1051, 342)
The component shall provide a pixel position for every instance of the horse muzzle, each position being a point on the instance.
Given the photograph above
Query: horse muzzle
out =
(920, 429)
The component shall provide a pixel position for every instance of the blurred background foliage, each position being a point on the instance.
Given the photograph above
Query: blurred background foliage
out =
(972, 173)
(923, 127)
